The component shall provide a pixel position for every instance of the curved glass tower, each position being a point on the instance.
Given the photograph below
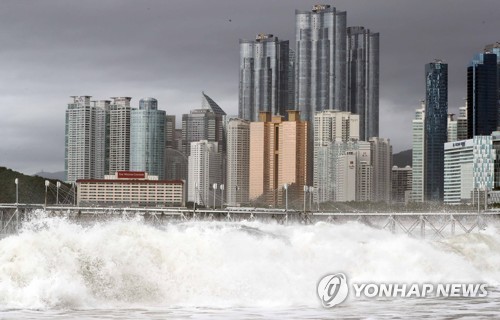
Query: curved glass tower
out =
(147, 138)
(264, 76)
(320, 60)
(363, 79)
(436, 128)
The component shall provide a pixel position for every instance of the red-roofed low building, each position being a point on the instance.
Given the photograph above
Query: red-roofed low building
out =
(130, 189)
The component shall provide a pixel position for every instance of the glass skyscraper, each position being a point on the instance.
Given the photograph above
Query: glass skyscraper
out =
(147, 138)
(495, 48)
(363, 79)
(436, 128)
(320, 69)
(482, 95)
(206, 123)
(264, 76)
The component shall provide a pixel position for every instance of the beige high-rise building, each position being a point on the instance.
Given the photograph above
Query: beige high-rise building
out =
(345, 189)
(238, 161)
(278, 156)
(353, 173)
(381, 159)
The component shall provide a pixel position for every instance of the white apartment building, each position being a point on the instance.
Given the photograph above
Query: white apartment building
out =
(452, 128)
(204, 169)
(334, 133)
(85, 143)
(344, 172)
(119, 134)
(418, 131)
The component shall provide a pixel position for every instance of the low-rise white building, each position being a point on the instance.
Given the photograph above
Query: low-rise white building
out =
(130, 188)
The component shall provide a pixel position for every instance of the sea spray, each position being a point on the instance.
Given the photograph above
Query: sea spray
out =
(55, 263)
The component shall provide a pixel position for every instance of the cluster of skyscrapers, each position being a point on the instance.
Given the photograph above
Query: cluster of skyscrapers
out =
(307, 125)
(455, 158)
(106, 136)
(331, 66)
(331, 77)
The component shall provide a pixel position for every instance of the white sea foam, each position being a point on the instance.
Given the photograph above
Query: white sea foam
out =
(54, 263)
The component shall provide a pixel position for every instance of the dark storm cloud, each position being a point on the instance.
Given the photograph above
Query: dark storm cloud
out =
(174, 49)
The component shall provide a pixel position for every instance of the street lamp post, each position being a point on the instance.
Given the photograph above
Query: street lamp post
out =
(285, 186)
(478, 201)
(17, 203)
(17, 190)
(221, 195)
(195, 195)
(215, 189)
(485, 198)
(236, 198)
(58, 185)
(47, 183)
(317, 197)
(306, 188)
(311, 193)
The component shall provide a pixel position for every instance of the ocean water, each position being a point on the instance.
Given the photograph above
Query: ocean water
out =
(222, 270)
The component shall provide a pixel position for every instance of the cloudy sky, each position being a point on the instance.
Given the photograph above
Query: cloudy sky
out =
(174, 49)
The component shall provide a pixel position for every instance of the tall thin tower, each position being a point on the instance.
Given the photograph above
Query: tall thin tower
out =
(363, 79)
(418, 152)
(320, 72)
(264, 76)
(147, 138)
(436, 128)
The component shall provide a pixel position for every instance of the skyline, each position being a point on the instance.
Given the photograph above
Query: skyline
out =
(122, 48)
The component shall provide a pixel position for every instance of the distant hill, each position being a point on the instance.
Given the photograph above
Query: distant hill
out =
(59, 175)
(402, 159)
(31, 188)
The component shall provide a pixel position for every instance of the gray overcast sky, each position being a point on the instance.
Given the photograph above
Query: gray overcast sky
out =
(172, 50)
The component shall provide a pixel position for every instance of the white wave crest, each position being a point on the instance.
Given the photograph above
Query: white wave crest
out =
(54, 263)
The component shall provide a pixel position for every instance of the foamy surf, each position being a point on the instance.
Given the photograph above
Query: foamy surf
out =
(54, 263)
